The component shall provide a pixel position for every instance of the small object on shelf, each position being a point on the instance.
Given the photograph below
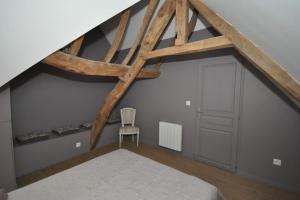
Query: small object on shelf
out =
(86, 125)
(65, 130)
(32, 137)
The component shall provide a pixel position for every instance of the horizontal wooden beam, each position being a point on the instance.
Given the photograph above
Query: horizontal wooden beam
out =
(192, 25)
(83, 66)
(220, 42)
(274, 71)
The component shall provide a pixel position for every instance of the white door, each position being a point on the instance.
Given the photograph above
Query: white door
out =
(218, 111)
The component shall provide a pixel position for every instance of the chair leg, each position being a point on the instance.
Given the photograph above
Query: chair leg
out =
(137, 139)
(120, 140)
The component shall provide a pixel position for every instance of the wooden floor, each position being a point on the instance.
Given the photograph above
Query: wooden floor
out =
(232, 186)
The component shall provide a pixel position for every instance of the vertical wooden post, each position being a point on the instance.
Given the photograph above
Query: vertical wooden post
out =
(182, 17)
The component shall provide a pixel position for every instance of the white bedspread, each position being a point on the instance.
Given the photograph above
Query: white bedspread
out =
(118, 175)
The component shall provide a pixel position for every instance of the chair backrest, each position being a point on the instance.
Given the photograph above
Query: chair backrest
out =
(128, 116)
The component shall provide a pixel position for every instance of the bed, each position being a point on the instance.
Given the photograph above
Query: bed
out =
(120, 174)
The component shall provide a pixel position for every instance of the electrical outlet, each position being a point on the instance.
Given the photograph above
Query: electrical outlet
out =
(277, 162)
(188, 103)
(78, 144)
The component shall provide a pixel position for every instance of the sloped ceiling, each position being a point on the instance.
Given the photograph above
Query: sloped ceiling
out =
(271, 24)
(137, 13)
(31, 30)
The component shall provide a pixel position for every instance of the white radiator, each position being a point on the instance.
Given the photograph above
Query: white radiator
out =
(170, 135)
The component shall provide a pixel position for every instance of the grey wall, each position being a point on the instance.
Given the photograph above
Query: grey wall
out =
(44, 98)
(7, 168)
(268, 128)
(39, 155)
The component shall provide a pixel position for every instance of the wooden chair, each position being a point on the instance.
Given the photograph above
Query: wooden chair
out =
(128, 128)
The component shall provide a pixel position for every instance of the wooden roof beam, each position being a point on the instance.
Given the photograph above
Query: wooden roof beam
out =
(182, 17)
(83, 66)
(274, 71)
(193, 47)
(192, 25)
(118, 37)
(158, 25)
(150, 10)
(76, 45)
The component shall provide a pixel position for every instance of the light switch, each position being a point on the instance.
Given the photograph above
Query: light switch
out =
(188, 103)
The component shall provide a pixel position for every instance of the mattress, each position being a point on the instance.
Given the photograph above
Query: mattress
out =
(120, 174)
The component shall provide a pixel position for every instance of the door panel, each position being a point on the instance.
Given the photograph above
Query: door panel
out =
(216, 122)
(217, 146)
(218, 111)
(216, 87)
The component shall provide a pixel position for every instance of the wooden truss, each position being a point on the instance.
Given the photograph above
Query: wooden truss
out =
(230, 37)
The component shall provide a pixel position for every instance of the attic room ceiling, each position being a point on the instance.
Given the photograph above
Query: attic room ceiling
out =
(109, 28)
(31, 30)
(34, 32)
(272, 25)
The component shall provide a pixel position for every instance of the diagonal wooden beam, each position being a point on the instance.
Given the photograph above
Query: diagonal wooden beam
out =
(83, 66)
(182, 17)
(157, 27)
(274, 71)
(118, 37)
(214, 43)
(76, 45)
(150, 10)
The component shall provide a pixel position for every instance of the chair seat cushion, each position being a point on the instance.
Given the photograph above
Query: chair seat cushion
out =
(128, 130)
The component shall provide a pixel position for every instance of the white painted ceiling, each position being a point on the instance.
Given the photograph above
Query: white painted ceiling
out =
(31, 30)
(271, 24)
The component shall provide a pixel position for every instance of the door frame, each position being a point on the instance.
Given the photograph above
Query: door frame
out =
(238, 97)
